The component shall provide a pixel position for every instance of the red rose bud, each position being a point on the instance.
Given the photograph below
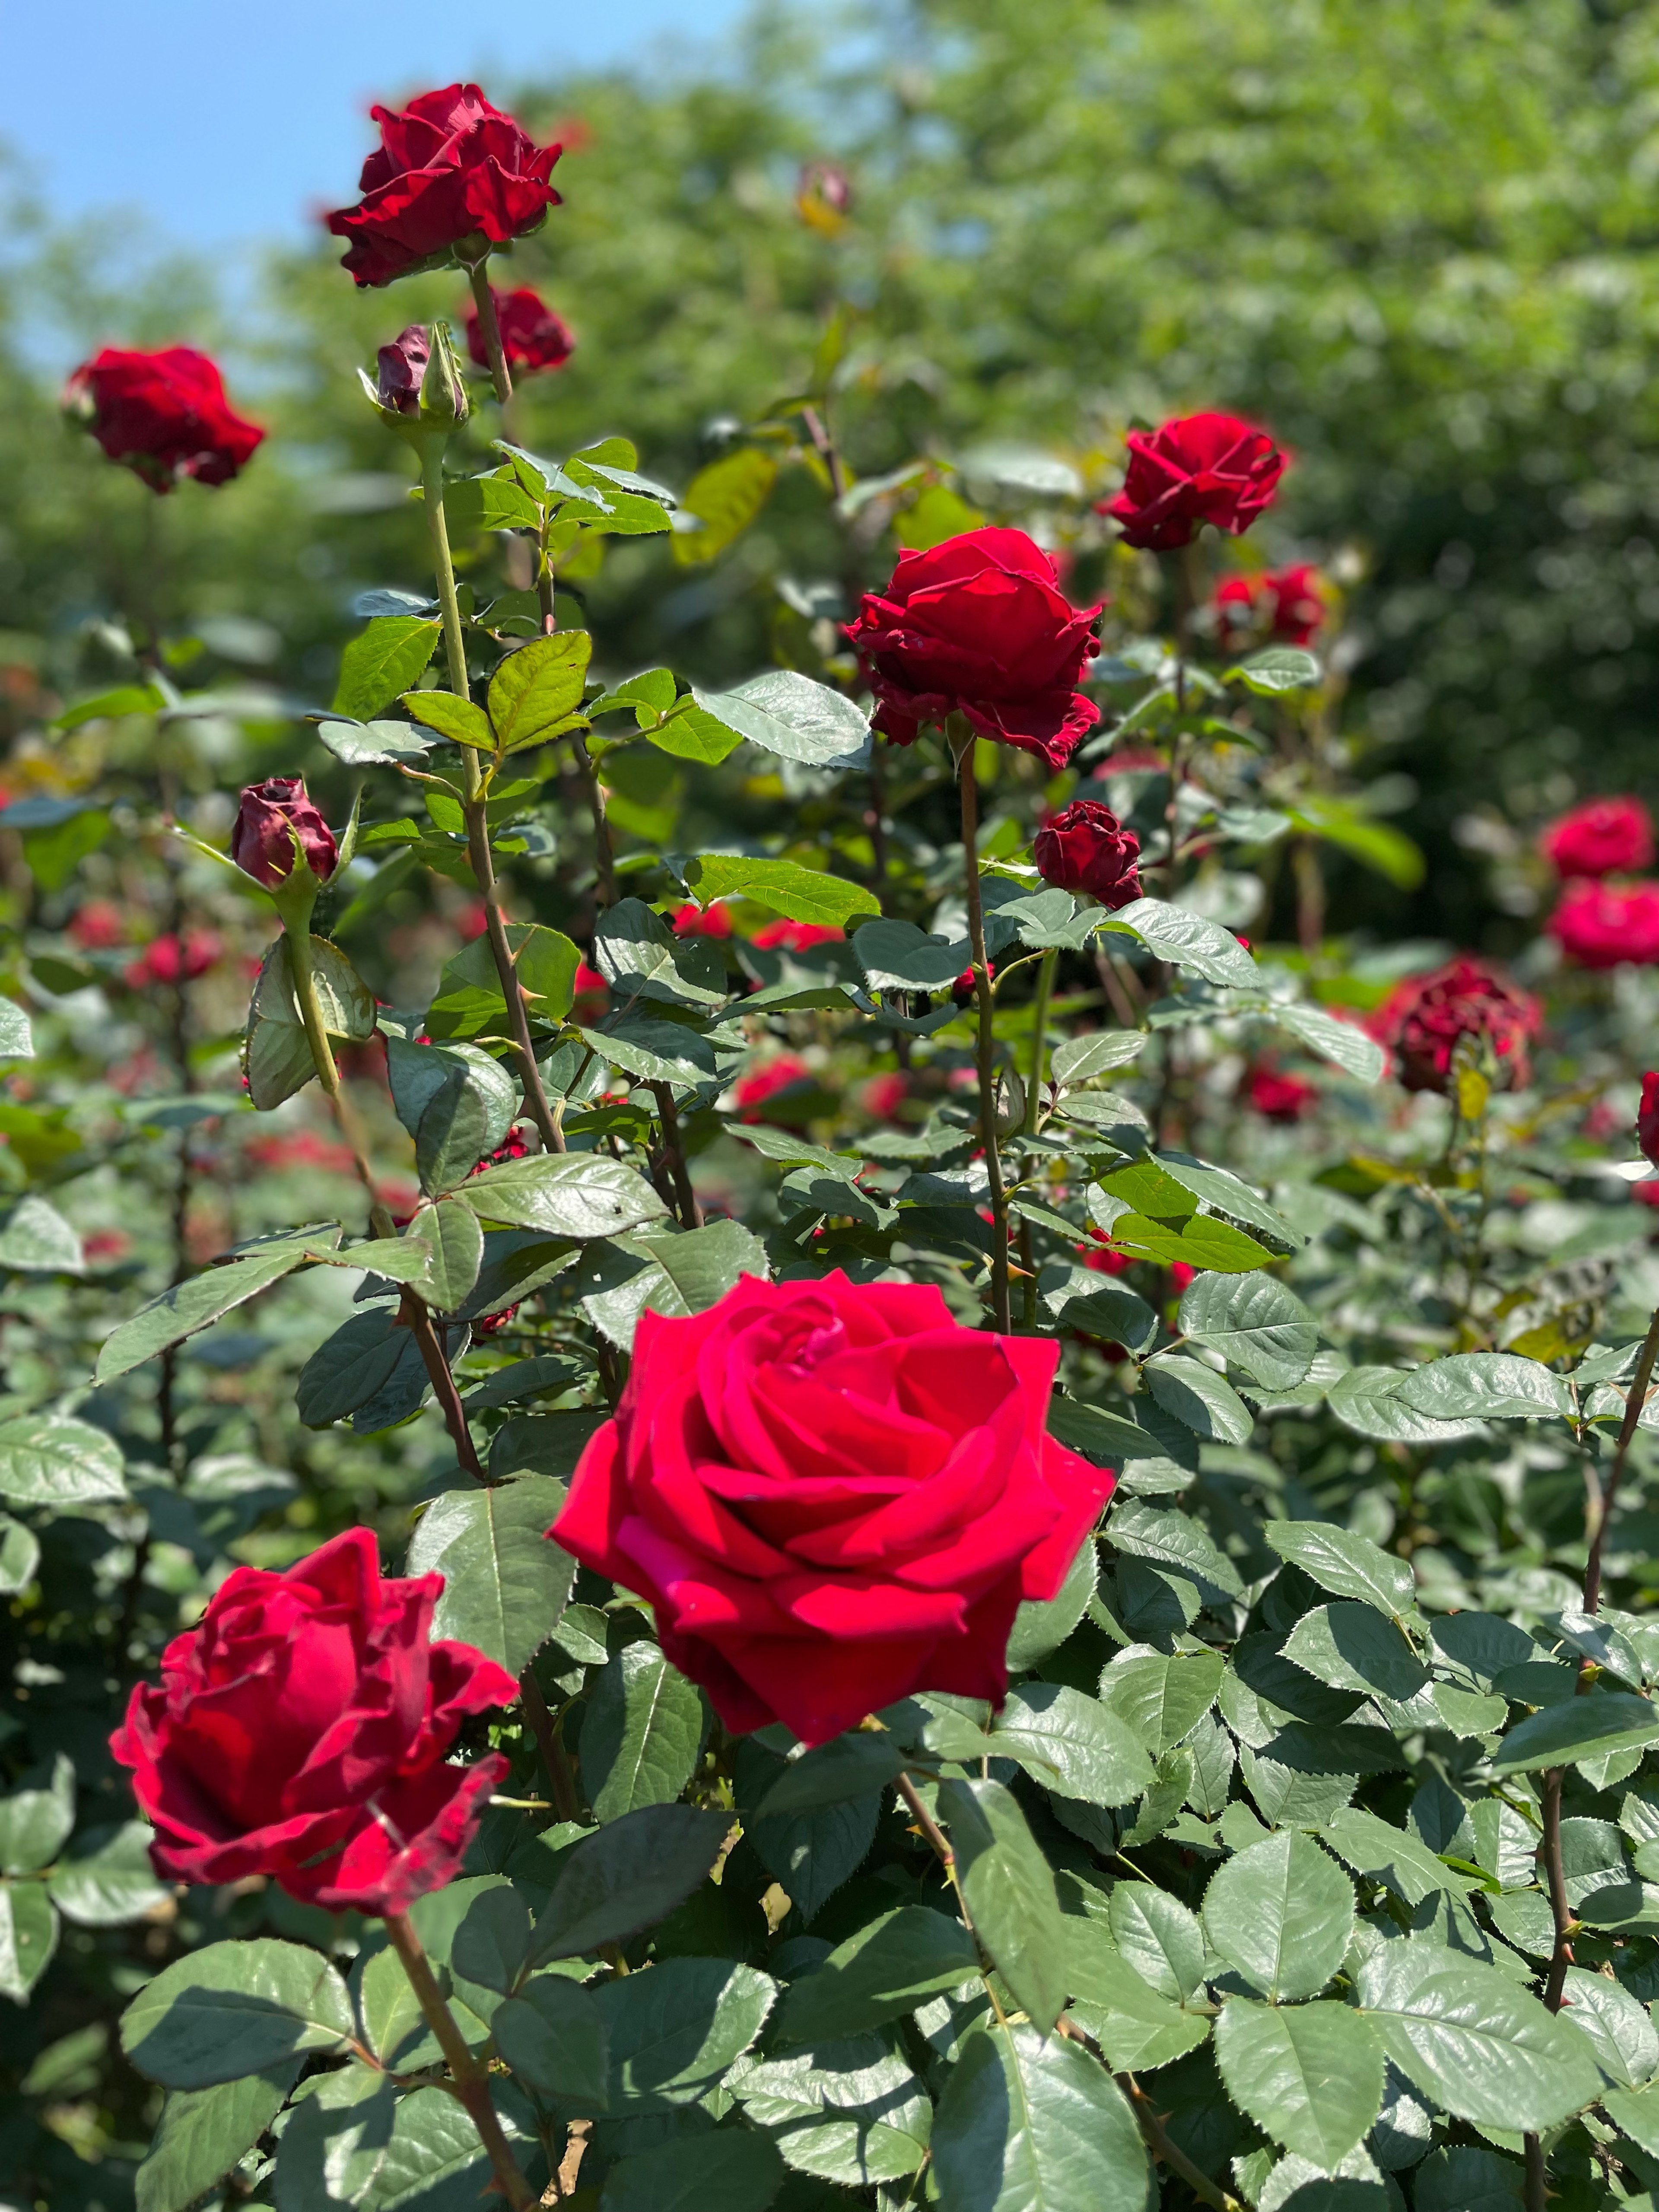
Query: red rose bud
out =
(1601, 924)
(1423, 1018)
(402, 365)
(964, 991)
(299, 1732)
(832, 1495)
(452, 177)
(532, 335)
(1085, 847)
(978, 626)
(163, 414)
(272, 815)
(1647, 1118)
(1197, 469)
(1603, 837)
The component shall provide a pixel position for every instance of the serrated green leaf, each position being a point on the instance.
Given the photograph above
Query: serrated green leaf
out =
(574, 1194)
(797, 893)
(1311, 2075)
(382, 661)
(1029, 2123)
(1187, 940)
(1255, 1322)
(202, 2133)
(1282, 1913)
(641, 1734)
(536, 690)
(884, 1969)
(1348, 1565)
(1352, 1646)
(1090, 1750)
(233, 2008)
(1196, 1394)
(1010, 1894)
(48, 1460)
(735, 2168)
(505, 1584)
(1583, 1728)
(625, 1877)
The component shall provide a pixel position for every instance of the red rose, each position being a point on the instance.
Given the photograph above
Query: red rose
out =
(300, 1731)
(978, 626)
(1285, 603)
(1279, 1097)
(1198, 469)
(451, 172)
(532, 335)
(1601, 925)
(796, 936)
(832, 1494)
(271, 816)
(884, 1095)
(1603, 837)
(1085, 847)
(165, 415)
(592, 995)
(1647, 1118)
(402, 365)
(98, 924)
(762, 1086)
(1422, 1019)
(176, 959)
(694, 921)
(965, 990)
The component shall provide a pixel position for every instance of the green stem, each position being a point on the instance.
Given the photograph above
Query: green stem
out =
(1045, 985)
(963, 745)
(467, 2077)
(478, 273)
(432, 485)
(1638, 1391)
(605, 859)
(685, 1197)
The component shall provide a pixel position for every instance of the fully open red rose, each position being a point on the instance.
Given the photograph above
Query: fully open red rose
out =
(978, 626)
(1603, 837)
(450, 171)
(1647, 1118)
(1085, 847)
(1197, 469)
(1287, 604)
(1422, 1019)
(1601, 924)
(165, 415)
(271, 816)
(532, 335)
(833, 1494)
(300, 1731)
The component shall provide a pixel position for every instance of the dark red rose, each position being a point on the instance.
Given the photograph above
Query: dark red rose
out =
(402, 365)
(1284, 604)
(1647, 1118)
(176, 959)
(451, 172)
(515, 1146)
(1601, 924)
(978, 626)
(299, 1731)
(165, 415)
(532, 335)
(833, 1495)
(1279, 1097)
(1197, 469)
(796, 936)
(272, 815)
(1085, 847)
(694, 921)
(1422, 1019)
(1603, 837)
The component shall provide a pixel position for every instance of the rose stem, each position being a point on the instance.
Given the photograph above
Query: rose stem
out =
(963, 745)
(1045, 984)
(690, 1212)
(471, 2082)
(603, 859)
(478, 275)
(1638, 1390)
(567, 1803)
(473, 803)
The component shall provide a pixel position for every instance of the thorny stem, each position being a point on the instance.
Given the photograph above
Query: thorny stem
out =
(416, 1315)
(1638, 1391)
(1549, 1851)
(685, 1197)
(478, 275)
(556, 1759)
(604, 859)
(964, 748)
(467, 2077)
(1537, 2184)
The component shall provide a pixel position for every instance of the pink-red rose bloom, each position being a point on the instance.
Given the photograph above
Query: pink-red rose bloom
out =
(1602, 837)
(272, 815)
(1647, 1118)
(300, 1731)
(164, 414)
(833, 1495)
(1423, 1018)
(1285, 605)
(1197, 469)
(1085, 847)
(532, 335)
(450, 171)
(1601, 924)
(176, 959)
(978, 626)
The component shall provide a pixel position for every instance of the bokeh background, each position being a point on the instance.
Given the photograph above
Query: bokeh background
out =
(1419, 239)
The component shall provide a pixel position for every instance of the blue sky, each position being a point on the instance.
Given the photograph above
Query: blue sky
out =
(227, 119)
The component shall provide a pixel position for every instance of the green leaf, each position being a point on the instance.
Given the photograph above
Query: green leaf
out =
(1380, 1851)
(1137, 2028)
(109, 706)
(375, 745)
(1158, 1938)
(1377, 845)
(465, 1118)
(1275, 668)
(496, 501)
(692, 733)
(1255, 1322)
(383, 660)
(1622, 2036)
(33, 1823)
(28, 1937)
(35, 1239)
(846, 1766)
(1487, 1386)
(787, 713)
(1347, 1564)
(1079, 1060)
(734, 2168)
(1464, 2179)
(1090, 1750)
(1635, 2112)
(673, 2031)
(1473, 2042)
(638, 953)
(1281, 1913)
(276, 1050)
(625, 1877)
(798, 894)
(109, 1882)
(16, 1038)
(1198, 1242)
(896, 956)
(641, 1734)
(1042, 1624)
(722, 500)
(234, 2009)
(505, 1584)
(851, 2112)
(44, 1460)
(1311, 2075)
(576, 1194)
(470, 999)
(20, 1556)
(435, 2159)
(677, 1273)
(449, 1242)
(1343, 1043)
(1196, 1394)
(1583, 1728)
(1170, 1540)
(1009, 1895)
(202, 2133)
(553, 2036)
(1175, 933)
(1353, 1647)
(1221, 1189)
(459, 719)
(192, 1305)
(884, 1969)
(1033, 2124)
(334, 2142)
(1368, 1401)
(537, 689)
